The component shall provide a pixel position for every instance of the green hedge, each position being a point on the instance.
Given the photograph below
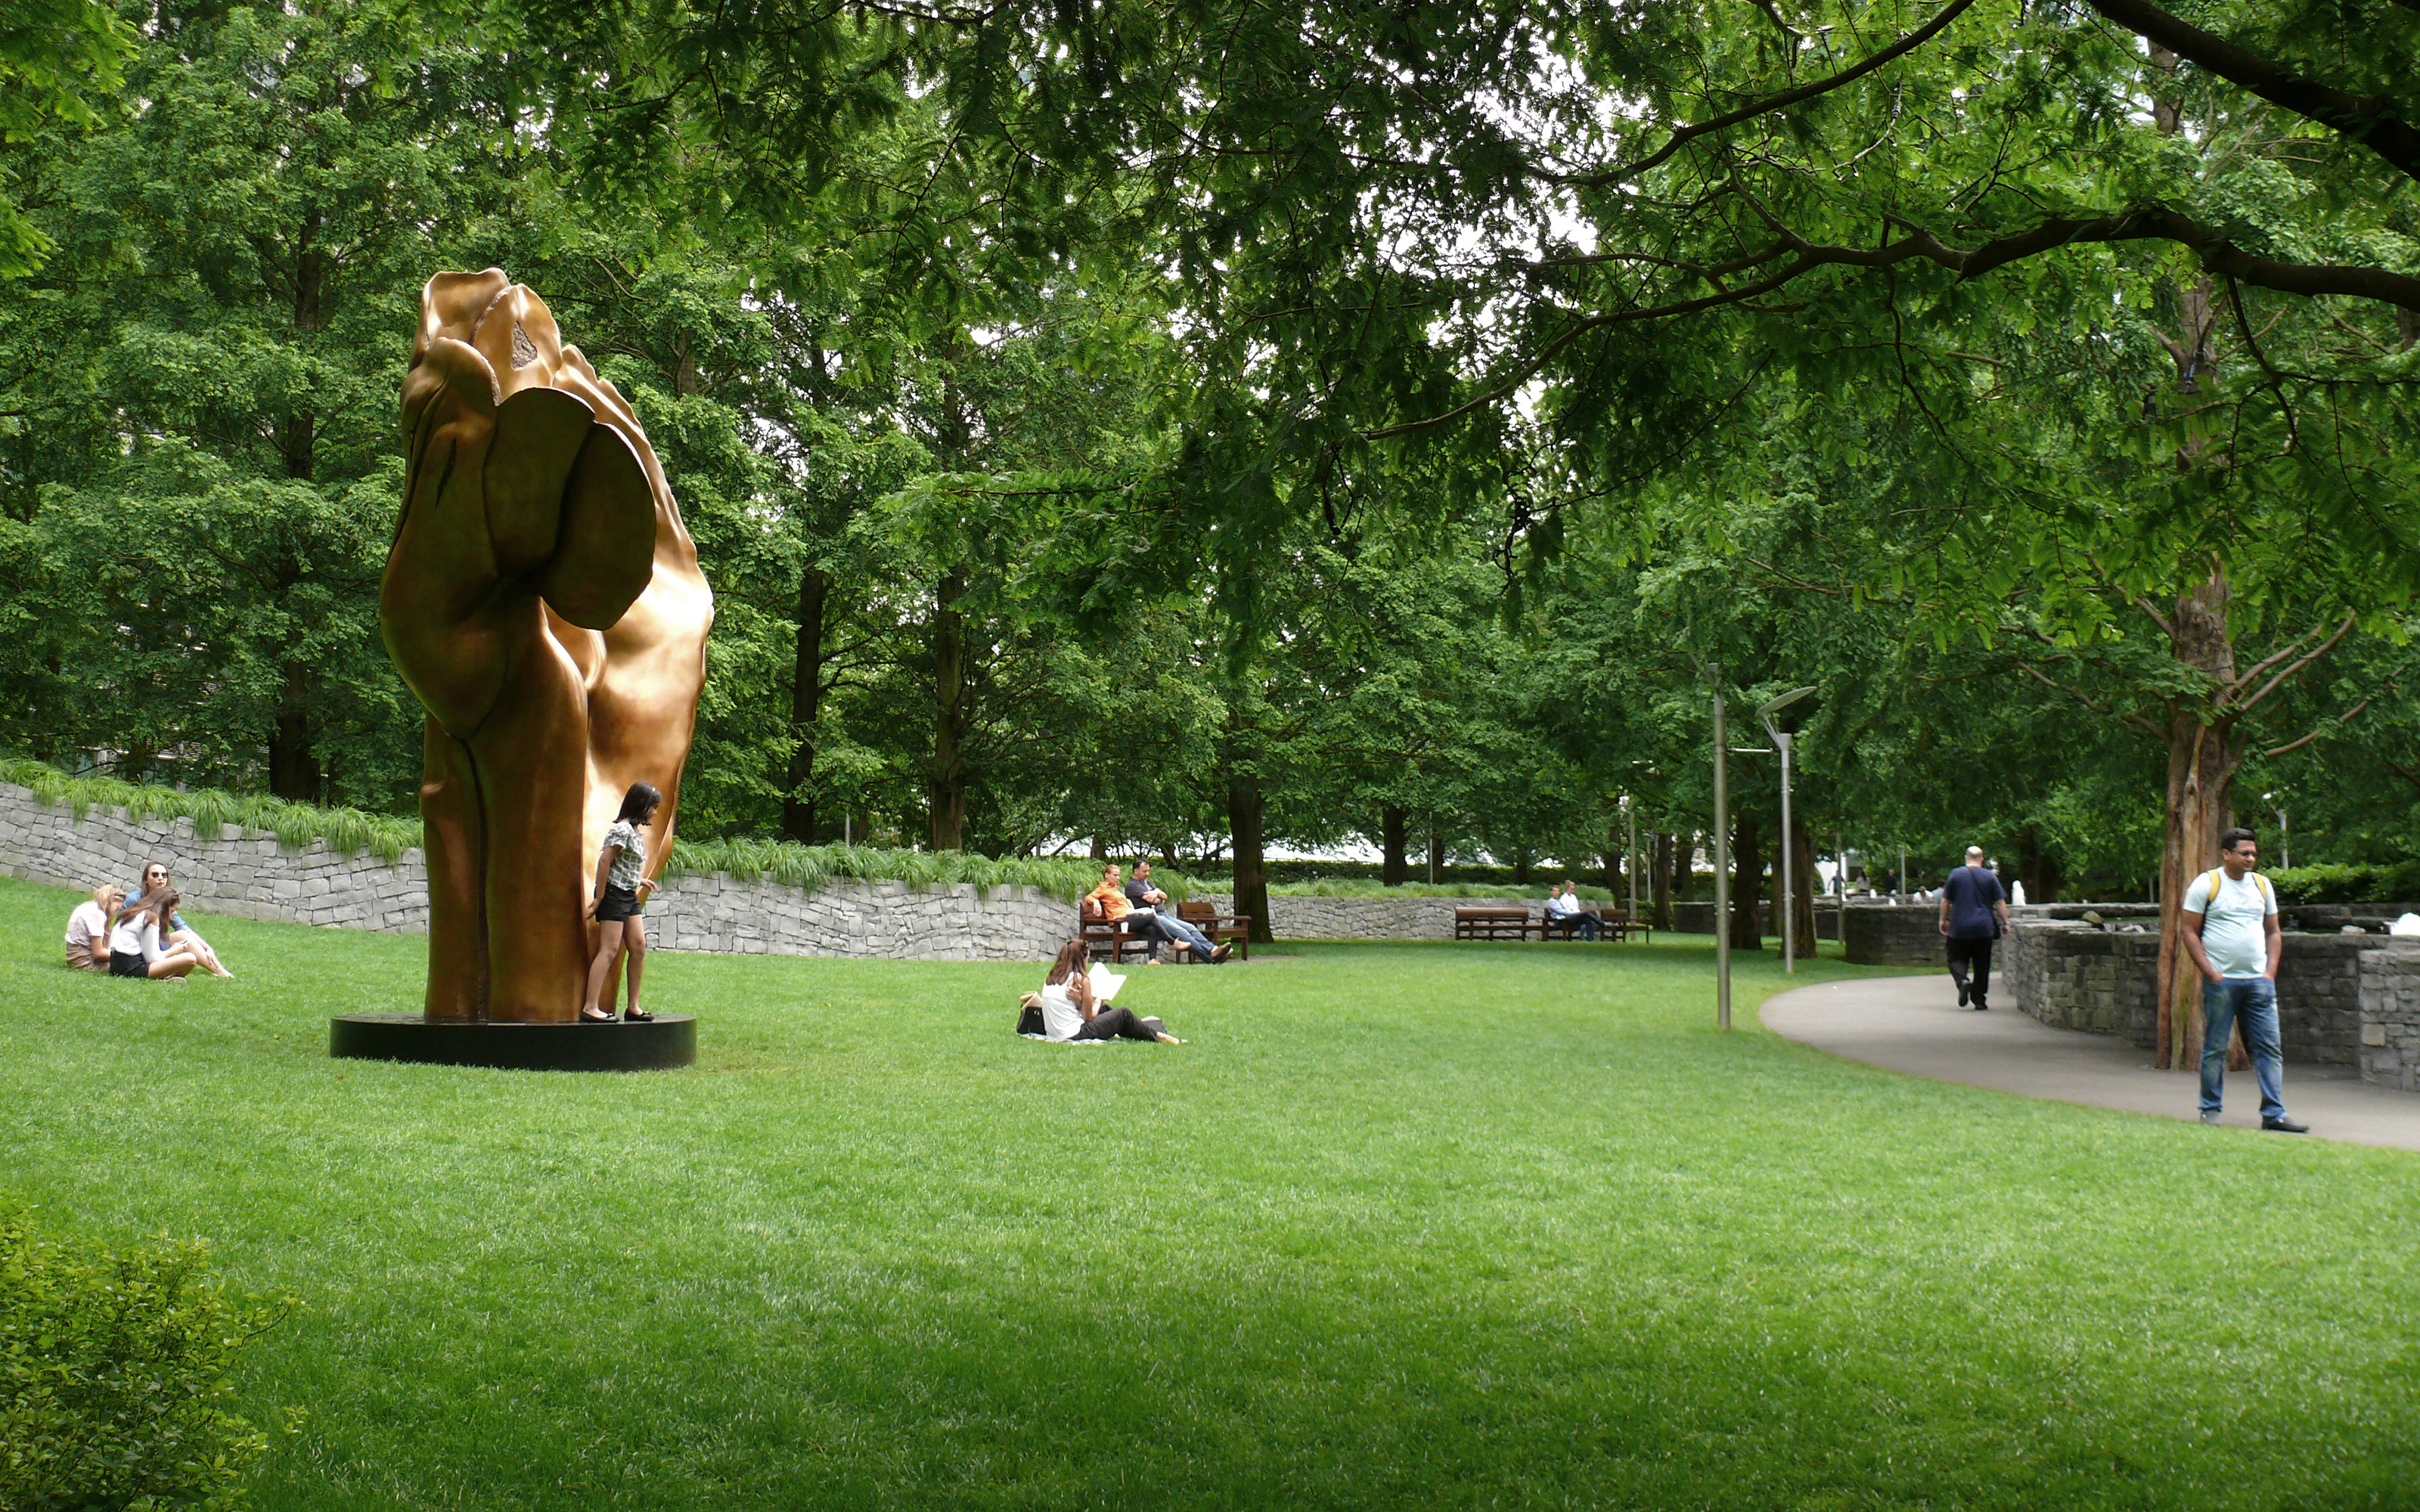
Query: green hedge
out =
(387, 837)
(2397, 881)
(113, 1370)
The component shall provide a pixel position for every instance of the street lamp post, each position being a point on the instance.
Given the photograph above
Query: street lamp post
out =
(1722, 859)
(1782, 739)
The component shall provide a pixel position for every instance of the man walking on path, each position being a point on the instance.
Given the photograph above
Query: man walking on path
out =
(2229, 928)
(1973, 911)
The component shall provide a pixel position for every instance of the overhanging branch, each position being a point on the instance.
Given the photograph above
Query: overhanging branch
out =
(2366, 119)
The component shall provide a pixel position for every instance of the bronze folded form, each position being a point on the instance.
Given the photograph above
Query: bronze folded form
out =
(543, 601)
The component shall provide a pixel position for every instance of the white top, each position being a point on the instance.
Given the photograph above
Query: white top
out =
(2234, 930)
(86, 925)
(133, 938)
(1061, 1017)
(1563, 902)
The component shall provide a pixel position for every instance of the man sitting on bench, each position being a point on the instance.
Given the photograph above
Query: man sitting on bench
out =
(1142, 906)
(1563, 904)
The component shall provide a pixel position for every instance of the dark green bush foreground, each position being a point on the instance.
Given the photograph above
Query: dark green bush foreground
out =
(2392, 883)
(114, 1367)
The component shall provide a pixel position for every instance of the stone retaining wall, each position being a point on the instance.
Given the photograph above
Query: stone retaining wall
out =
(1892, 934)
(2072, 976)
(1366, 919)
(2390, 1014)
(245, 872)
(239, 871)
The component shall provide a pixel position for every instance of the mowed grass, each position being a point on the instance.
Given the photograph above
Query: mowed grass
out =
(1410, 1226)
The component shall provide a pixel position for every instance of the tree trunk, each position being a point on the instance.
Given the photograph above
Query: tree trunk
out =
(1437, 855)
(293, 767)
(806, 701)
(1616, 858)
(2202, 759)
(1747, 884)
(1802, 887)
(945, 788)
(1243, 807)
(1394, 871)
(1663, 881)
(1685, 867)
(2040, 873)
(1521, 865)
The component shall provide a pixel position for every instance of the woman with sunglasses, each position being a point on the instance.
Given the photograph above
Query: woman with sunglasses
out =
(173, 935)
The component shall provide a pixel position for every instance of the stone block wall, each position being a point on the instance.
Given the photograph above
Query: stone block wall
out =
(2390, 1014)
(245, 873)
(1367, 918)
(2072, 976)
(239, 871)
(1892, 934)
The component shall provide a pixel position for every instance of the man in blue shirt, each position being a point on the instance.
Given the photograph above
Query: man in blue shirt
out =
(1973, 911)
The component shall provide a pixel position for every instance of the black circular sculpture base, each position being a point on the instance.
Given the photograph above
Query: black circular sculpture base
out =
(663, 1044)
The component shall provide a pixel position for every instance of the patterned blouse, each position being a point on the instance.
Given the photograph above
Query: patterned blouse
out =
(631, 861)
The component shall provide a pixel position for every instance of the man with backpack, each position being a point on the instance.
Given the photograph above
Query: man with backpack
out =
(2229, 928)
(1973, 911)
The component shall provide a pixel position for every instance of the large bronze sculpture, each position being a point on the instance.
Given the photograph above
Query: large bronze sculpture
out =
(543, 601)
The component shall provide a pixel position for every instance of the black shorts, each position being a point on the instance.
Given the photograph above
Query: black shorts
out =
(620, 904)
(128, 964)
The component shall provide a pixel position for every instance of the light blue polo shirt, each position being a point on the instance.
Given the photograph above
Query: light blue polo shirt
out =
(2234, 924)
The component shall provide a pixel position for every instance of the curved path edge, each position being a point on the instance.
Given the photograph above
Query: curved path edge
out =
(1914, 1025)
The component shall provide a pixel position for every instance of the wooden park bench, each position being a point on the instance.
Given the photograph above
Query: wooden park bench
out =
(1109, 939)
(1219, 928)
(1492, 925)
(1612, 925)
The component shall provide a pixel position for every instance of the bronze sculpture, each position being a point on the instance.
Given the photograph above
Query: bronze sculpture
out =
(543, 601)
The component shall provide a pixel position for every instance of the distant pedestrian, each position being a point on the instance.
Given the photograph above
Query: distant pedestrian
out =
(2229, 927)
(1973, 911)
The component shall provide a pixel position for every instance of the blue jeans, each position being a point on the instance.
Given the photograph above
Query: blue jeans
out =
(1175, 929)
(2255, 999)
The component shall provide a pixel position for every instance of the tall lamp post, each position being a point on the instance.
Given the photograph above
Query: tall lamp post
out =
(1722, 857)
(2285, 836)
(1782, 739)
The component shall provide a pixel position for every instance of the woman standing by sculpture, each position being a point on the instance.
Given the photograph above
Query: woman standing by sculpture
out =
(622, 886)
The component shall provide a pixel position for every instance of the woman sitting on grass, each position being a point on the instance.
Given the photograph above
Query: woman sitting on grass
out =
(621, 891)
(1068, 1011)
(134, 942)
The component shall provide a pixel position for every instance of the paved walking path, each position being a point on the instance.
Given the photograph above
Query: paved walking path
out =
(1914, 1025)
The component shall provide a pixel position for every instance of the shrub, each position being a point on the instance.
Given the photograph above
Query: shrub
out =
(2391, 882)
(114, 1377)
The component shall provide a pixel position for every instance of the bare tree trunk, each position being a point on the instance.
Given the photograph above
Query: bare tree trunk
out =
(1664, 844)
(1244, 811)
(1615, 858)
(1802, 887)
(1437, 855)
(1394, 871)
(806, 700)
(1747, 884)
(293, 766)
(2202, 759)
(945, 788)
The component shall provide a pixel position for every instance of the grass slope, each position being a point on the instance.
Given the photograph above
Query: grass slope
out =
(1435, 1225)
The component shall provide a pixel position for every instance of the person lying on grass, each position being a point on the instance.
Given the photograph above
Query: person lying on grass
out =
(135, 941)
(622, 887)
(173, 931)
(88, 929)
(1069, 1013)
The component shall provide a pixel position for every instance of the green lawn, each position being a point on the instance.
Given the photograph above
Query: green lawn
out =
(1405, 1226)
